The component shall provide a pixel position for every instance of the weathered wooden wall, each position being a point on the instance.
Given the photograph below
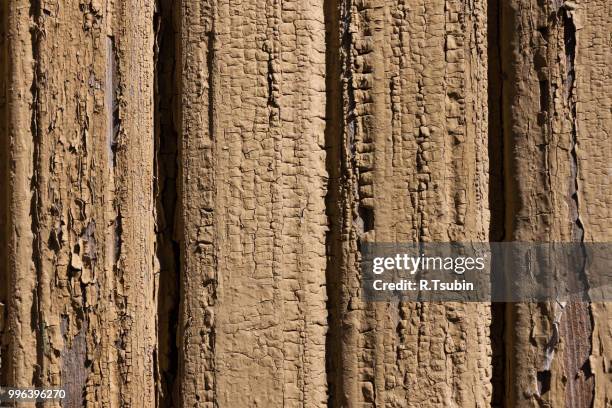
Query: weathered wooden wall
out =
(186, 186)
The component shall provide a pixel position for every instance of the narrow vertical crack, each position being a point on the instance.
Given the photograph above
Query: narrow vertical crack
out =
(334, 201)
(577, 323)
(211, 61)
(113, 90)
(111, 101)
(496, 125)
(569, 39)
(497, 197)
(166, 195)
(210, 64)
(35, 184)
(112, 134)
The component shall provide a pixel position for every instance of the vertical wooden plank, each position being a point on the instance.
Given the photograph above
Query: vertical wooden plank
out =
(253, 164)
(81, 259)
(415, 146)
(550, 162)
(19, 366)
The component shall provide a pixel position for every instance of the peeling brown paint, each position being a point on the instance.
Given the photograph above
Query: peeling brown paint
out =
(189, 184)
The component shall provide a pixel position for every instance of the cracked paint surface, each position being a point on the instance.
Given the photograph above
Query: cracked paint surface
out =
(188, 186)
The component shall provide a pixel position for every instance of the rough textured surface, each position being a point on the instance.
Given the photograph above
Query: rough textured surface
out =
(188, 185)
(414, 169)
(550, 57)
(593, 120)
(81, 265)
(253, 313)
